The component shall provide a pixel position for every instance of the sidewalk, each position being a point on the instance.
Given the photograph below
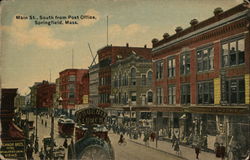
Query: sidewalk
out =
(187, 153)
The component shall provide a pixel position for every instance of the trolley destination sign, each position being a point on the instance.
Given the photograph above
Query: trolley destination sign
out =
(91, 116)
(13, 149)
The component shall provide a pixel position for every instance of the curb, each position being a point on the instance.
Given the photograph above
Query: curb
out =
(159, 150)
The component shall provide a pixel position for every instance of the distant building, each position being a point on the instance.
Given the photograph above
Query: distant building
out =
(19, 102)
(107, 56)
(73, 86)
(45, 92)
(93, 84)
(33, 95)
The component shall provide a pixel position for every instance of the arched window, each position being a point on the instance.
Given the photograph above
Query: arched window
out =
(133, 76)
(120, 80)
(150, 75)
(150, 97)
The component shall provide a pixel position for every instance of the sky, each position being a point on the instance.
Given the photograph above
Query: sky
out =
(32, 52)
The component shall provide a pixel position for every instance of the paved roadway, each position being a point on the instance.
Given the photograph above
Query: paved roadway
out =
(131, 151)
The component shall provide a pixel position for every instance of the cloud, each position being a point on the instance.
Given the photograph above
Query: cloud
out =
(86, 22)
(89, 22)
(24, 34)
(127, 31)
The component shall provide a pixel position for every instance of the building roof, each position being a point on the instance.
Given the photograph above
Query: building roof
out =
(219, 17)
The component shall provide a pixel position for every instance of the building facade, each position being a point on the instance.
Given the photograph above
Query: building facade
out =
(44, 96)
(33, 95)
(93, 84)
(131, 82)
(73, 86)
(107, 56)
(202, 80)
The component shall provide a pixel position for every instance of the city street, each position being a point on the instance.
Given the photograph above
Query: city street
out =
(129, 151)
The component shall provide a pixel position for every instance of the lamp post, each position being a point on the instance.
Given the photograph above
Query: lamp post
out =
(52, 128)
(130, 116)
(36, 140)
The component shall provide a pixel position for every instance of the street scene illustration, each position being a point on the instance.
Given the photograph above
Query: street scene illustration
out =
(125, 80)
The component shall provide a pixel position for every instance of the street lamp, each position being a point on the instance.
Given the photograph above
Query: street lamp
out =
(130, 116)
(52, 127)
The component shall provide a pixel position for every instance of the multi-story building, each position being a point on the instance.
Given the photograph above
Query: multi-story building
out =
(202, 79)
(73, 86)
(19, 102)
(33, 94)
(131, 82)
(107, 56)
(45, 92)
(57, 97)
(9, 131)
(93, 84)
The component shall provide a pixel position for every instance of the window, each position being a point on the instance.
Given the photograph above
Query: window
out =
(120, 80)
(205, 93)
(235, 91)
(71, 95)
(233, 53)
(185, 94)
(185, 63)
(171, 67)
(159, 95)
(133, 76)
(159, 70)
(143, 80)
(72, 78)
(150, 97)
(125, 98)
(133, 96)
(150, 77)
(71, 87)
(205, 59)
(171, 94)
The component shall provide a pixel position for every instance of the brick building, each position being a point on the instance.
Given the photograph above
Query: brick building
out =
(202, 80)
(107, 56)
(44, 95)
(73, 86)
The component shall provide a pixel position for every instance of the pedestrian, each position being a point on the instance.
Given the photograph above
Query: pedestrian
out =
(45, 124)
(42, 121)
(177, 148)
(197, 151)
(173, 140)
(65, 143)
(146, 139)
(41, 154)
(29, 152)
(222, 151)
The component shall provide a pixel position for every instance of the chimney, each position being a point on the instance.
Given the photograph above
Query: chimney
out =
(165, 35)
(145, 46)
(218, 11)
(194, 22)
(127, 45)
(178, 29)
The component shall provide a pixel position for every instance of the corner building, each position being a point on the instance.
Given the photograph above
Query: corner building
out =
(107, 56)
(201, 78)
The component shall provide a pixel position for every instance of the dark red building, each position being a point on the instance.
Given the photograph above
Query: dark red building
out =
(108, 55)
(45, 91)
(202, 77)
(74, 84)
(9, 131)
